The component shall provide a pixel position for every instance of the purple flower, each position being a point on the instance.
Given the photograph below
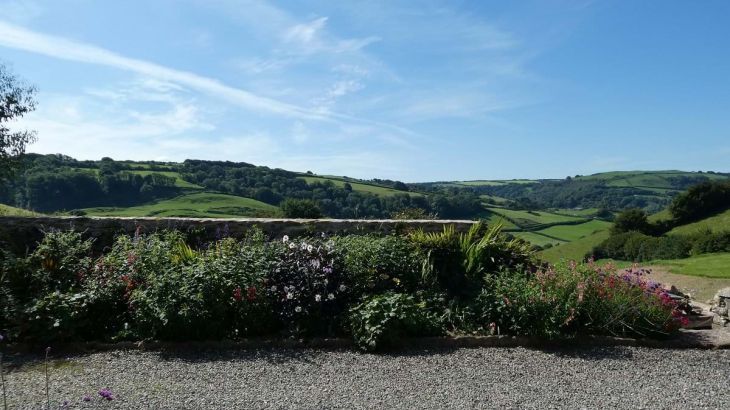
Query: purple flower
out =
(106, 393)
(1, 337)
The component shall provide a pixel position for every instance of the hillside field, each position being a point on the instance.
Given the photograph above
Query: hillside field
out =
(719, 222)
(358, 186)
(195, 205)
(575, 250)
(7, 210)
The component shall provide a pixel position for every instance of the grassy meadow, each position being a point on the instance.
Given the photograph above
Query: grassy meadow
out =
(195, 205)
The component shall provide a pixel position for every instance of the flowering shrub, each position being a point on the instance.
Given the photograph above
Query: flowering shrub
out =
(376, 288)
(587, 298)
(307, 287)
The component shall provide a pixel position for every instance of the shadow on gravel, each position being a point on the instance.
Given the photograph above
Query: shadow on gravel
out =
(591, 353)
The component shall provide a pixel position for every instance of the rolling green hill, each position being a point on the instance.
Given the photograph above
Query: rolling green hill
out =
(358, 186)
(6, 210)
(662, 180)
(575, 250)
(195, 205)
(719, 222)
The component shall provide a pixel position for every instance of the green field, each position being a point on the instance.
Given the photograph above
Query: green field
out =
(571, 233)
(494, 219)
(658, 180)
(720, 222)
(357, 186)
(530, 220)
(575, 250)
(535, 238)
(495, 182)
(196, 205)
(179, 182)
(7, 210)
(709, 265)
(582, 213)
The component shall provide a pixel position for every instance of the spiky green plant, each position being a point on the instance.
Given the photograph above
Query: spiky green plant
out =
(459, 261)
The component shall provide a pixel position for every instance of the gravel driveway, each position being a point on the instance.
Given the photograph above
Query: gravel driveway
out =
(613, 377)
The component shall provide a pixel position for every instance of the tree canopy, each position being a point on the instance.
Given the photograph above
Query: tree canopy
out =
(16, 100)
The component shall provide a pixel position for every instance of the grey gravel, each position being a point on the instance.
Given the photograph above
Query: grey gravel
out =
(609, 377)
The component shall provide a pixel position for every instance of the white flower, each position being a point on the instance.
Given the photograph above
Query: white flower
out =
(285, 239)
(286, 288)
(310, 248)
(326, 281)
(342, 288)
(304, 246)
(290, 296)
(57, 323)
(273, 288)
(292, 246)
(298, 309)
(331, 296)
(318, 298)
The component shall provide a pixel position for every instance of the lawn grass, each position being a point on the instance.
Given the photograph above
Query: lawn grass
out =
(571, 233)
(360, 187)
(708, 265)
(575, 250)
(719, 222)
(7, 210)
(195, 205)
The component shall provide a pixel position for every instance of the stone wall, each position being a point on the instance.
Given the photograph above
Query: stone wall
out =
(26, 231)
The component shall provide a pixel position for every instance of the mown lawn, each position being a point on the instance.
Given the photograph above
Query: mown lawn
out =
(196, 205)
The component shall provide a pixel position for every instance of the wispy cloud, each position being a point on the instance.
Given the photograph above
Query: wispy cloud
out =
(20, 38)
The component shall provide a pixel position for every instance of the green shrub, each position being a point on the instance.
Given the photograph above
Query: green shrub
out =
(60, 260)
(637, 247)
(375, 264)
(212, 294)
(381, 321)
(457, 262)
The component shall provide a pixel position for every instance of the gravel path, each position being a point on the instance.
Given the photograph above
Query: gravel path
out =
(615, 377)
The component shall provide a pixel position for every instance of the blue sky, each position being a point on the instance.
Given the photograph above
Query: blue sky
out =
(409, 90)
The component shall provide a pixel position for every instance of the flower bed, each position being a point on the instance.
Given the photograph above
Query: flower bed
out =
(375, 289)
